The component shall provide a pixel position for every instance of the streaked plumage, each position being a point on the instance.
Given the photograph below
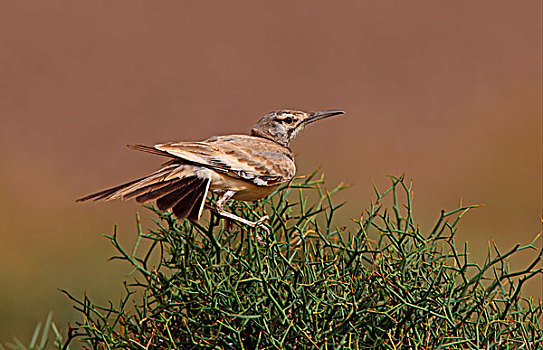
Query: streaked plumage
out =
(240, 167)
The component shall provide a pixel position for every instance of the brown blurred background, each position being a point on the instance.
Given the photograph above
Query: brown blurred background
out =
(449, 93)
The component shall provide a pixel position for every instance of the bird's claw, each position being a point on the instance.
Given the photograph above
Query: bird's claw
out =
(260, 223)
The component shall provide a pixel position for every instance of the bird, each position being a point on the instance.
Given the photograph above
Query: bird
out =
(238, 167)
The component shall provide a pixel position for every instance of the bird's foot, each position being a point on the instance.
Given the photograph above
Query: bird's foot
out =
(254, 224)
(260, 223)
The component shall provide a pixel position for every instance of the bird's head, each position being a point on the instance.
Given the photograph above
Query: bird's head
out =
(283, 126)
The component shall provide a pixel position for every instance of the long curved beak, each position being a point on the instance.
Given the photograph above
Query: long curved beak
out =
(322, 114)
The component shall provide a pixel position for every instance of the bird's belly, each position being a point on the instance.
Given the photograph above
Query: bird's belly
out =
(245, 190)
(254, 193)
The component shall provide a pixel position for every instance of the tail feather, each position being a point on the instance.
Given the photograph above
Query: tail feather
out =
(118, 192)
(198, 205)
(156, 179)
(107, 193)
(170, 186)
(185, 196)
(171, 199)
(191, 205)
(142, 190)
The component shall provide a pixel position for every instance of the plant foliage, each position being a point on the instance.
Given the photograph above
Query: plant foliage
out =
(378, 283)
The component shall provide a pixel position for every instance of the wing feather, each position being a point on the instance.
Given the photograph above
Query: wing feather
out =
(254, 159)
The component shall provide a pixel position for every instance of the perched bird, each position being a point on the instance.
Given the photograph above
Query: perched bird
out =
(239, 167)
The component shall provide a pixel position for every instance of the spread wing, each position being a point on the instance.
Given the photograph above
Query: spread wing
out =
(250, 158)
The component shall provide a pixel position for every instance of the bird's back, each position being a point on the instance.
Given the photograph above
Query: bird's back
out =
(250, 158)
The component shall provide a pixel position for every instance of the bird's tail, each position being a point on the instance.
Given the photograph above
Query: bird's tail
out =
(184, 195)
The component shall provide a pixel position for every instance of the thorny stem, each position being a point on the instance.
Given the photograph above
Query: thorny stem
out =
(382, 284)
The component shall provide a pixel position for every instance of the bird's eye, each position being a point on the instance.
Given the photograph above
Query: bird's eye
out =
(288, 120)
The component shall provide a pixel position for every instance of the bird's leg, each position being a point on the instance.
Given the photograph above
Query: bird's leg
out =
(220, 211)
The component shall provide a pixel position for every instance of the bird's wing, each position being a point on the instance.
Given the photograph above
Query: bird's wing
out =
(254, 159)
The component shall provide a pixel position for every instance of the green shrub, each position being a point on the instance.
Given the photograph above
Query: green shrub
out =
(43, 338)
(377, 283)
